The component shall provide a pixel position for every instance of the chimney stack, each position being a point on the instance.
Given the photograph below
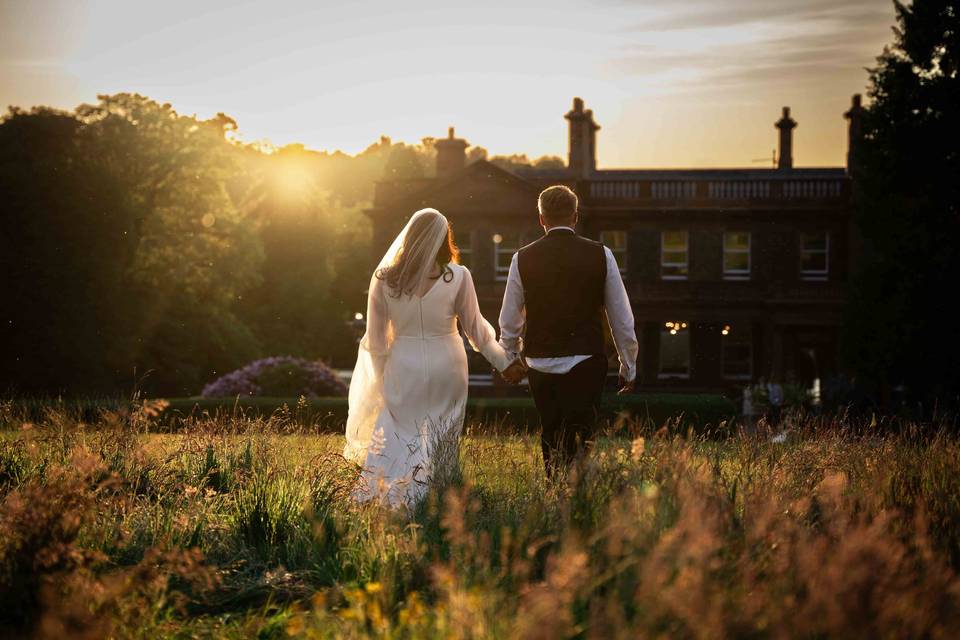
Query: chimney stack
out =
(854, 133)
(582, 155)
(786, 125)
(451, 154)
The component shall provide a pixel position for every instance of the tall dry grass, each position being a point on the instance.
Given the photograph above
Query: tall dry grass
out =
(244, 526)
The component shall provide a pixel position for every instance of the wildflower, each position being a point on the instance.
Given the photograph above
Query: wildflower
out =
(412, 610)
(296, 625)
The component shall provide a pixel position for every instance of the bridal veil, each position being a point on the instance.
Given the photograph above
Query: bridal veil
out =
(413, 251)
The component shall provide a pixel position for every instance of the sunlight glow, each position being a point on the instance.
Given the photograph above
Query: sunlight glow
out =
(293, 179)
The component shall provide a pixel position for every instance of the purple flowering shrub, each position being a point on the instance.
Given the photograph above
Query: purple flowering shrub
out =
(278, 376)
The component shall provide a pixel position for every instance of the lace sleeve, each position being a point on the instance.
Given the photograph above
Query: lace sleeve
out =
(479, 332)
(378, 336)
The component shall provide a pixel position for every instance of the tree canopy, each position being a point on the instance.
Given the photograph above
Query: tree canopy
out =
(900, 327)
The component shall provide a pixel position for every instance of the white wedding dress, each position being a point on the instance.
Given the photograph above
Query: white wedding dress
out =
(409, 391)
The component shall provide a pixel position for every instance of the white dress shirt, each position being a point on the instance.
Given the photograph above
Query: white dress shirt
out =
(616, 305)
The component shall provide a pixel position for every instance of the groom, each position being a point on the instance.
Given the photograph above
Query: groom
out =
(561, 285)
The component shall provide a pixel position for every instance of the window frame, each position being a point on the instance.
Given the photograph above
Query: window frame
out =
(815, 275)
(723, 353)
(501, 273)
(661, 375)
(621, 254)
(738, 274)
(467, 250)
(685, 264)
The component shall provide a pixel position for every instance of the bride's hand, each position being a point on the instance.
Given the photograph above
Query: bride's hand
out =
(516, 372)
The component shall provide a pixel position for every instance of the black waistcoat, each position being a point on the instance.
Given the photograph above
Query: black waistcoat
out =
(563, 277)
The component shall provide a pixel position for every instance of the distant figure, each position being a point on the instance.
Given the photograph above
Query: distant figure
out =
(775, 396)
(559, 288)
(747, 410)
(408, 393)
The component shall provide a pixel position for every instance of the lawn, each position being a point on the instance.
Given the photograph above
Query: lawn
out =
(243, 526)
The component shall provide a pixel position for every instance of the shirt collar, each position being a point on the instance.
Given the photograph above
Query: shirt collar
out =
(552, 229)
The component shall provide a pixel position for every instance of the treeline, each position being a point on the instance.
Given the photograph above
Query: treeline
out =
(142, 246)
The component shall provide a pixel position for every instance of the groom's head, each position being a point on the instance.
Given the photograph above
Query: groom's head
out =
(558, 207)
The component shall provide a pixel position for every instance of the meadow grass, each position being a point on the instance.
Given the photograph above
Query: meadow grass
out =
(244, 527)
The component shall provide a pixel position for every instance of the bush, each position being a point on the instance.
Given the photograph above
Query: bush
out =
(282, 376)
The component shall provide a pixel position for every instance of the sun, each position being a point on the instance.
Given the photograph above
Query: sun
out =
(293, 178)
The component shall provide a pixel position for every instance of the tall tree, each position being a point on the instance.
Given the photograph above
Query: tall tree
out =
(123, 248)
(56, 285)
(901, 328)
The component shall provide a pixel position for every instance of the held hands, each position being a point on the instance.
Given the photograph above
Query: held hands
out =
(515, 372)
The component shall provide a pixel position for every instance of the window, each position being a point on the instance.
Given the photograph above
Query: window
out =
(814, 255)
(466, 249)
(736, 255)
(616, 241)
(673, 255)
(674, 351)
(737, 353)
(504, 246)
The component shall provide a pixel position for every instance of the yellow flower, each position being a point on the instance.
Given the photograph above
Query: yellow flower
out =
(296, 626)
(373, 587)
(375, 615)
(412, 610)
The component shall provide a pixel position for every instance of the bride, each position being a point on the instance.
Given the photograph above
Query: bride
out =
(409, 388)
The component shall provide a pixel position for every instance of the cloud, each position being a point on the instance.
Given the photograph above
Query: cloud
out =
(743, 43)
(687, 14)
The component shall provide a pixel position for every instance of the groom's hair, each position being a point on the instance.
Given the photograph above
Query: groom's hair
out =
(557, 204)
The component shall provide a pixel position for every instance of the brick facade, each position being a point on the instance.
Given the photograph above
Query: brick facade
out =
(757, 292)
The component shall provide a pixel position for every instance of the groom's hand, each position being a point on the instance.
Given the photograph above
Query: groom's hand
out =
(515, 372)
(626, 386)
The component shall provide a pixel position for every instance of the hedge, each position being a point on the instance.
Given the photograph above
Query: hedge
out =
(682, 411)
(699, 411)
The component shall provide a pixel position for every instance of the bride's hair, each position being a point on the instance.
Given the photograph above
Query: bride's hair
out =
(401, 275)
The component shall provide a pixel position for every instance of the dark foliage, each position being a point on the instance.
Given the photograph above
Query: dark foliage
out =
(900, 325)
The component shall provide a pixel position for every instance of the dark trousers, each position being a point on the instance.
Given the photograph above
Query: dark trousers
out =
(569, 407)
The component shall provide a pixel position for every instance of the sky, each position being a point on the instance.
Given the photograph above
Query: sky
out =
(672, 83)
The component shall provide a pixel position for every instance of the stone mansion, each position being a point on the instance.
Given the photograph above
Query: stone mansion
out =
(734, 274)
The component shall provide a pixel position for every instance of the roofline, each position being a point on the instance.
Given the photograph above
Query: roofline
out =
(623, 174)
(437, 184)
